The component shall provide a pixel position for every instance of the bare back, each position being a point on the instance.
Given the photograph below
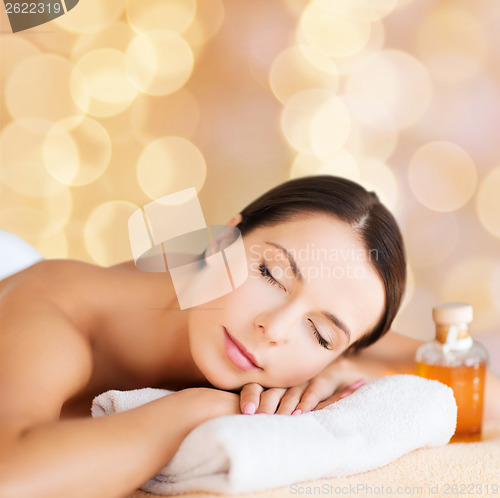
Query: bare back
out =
(71, 330)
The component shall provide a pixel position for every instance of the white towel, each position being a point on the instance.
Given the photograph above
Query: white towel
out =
(378, 423)
(15, 254)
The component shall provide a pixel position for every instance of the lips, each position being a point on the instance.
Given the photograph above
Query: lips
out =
(237, 353)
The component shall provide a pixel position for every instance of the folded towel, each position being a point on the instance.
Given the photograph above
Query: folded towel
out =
(378, 423)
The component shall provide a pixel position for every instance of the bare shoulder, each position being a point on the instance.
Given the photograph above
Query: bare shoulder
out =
(44, 357)
(52, 317)
(87, 293)
(393, 347)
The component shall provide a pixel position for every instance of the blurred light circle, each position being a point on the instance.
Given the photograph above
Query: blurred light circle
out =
(40, 87)
(452, 43)
(77, 152)
(56, 208)
(442, 176)
(397, 80)
(331, 33)
(373, 131)
(305, 57)
(109, 89)
(174, 15)
(346, 65)
(36, 228)
(430, 237)
(207, 23)
(106, 232)
(159, 62)
(91, 15)
(59, 43)
(22, 167)
(467, 115)
(170, 164)
(359, 10)
(291, 72)
(377, 176)
(154, 117)
(117, 36)
(468, 280)
(315, 121)
(330, 126)
(488, 202)
(60, 154)
(14, 50)
(337, 163)
(53, 246)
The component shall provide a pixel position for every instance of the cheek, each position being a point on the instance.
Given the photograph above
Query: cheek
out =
(247, 299)
(236, 307)
(309, 371)
(297, 368)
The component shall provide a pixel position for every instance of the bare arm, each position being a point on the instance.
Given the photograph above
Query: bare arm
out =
(44, 360)
(108, 456)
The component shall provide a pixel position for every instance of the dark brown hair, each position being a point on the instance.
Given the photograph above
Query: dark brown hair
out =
(351, 203)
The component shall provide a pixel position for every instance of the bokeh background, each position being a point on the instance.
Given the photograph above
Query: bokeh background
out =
(121, 102)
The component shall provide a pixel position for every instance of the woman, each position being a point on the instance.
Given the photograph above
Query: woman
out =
(325, 244)
(71, 330)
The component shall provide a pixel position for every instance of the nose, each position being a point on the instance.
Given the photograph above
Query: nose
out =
(274, 338)
(277, 326)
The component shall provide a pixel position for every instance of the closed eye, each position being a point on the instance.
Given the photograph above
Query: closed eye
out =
(264, 271)
(319, 337)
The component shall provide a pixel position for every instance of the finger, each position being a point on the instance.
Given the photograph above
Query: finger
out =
(270, 399)
(348, 390)
(250, 398)
(290, 400)
(337, 396)
(350, 387)
(315, 392)
(356, 385)
(332, 399)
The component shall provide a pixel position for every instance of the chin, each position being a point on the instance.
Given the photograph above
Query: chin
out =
(217, 378)
(221, 381)
(225, 386)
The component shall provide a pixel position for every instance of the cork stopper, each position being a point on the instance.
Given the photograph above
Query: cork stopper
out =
(452, 321)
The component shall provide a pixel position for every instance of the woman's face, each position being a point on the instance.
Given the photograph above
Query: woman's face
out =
(311, 292)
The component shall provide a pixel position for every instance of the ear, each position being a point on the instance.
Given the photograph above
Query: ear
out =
(232, 222)
(235, 220)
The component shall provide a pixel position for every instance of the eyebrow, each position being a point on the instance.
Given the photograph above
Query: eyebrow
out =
(298, 275)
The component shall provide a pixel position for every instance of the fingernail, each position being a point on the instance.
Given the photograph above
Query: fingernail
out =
(359, 383)
(297, 412)
(344, 395)
(249, 408)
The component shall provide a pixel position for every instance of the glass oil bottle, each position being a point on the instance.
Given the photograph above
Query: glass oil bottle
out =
(455, 359)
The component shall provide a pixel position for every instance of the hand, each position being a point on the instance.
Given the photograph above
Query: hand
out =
(339, 379)
(207, 403)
